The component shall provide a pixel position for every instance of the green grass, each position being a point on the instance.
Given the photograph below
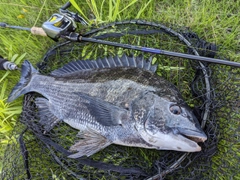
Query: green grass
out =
(216, 21)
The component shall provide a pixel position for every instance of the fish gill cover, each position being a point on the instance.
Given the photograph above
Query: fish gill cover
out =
(211, 90)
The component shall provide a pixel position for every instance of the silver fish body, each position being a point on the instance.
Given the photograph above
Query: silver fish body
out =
(113, 101)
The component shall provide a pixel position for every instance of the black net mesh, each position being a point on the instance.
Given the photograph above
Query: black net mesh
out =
(211, 90)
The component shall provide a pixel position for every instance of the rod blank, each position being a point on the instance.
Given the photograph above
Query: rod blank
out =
(162, 52)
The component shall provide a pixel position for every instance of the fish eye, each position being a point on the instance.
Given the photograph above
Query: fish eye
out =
(175, 110)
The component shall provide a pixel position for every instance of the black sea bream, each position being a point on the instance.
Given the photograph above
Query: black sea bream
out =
(113, 101)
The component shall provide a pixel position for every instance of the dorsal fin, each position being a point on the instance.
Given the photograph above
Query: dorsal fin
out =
(106, 62)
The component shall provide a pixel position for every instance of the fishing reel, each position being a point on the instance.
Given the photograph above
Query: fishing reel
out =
(62, 24)
(58, 25)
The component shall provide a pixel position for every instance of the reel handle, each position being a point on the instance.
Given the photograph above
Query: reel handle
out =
(65, 6)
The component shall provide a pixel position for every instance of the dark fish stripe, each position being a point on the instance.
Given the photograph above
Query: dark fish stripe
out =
(78, 66)
(75, 66)
(132, 62)
(105, 62)
(71, 67)
(81, 63)
(139, 62)
(100, 64)
(146, 65)
(95, 64)
(124, 60)
(63, 71)
(67, 69)
(118, 61)
(90, 64)
(86, 64)
(111, 62)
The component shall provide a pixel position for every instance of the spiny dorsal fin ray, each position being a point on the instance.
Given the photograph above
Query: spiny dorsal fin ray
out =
(107, 62)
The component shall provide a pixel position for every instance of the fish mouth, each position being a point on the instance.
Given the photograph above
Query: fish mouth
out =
(195, 139)
(196, 136)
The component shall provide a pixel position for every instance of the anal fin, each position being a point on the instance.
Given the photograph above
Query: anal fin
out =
(47, 118)
(90, 143)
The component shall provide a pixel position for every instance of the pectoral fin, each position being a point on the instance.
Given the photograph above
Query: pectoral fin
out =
(90, 143)
(47, 118)
(104, 112)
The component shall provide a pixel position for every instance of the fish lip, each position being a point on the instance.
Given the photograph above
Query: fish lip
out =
(196, 136)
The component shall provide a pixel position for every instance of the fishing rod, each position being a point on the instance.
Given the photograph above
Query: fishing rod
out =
(78, 38)
(63, 25)
(56, 32)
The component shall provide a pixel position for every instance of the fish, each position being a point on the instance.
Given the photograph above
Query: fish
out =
(112, 100)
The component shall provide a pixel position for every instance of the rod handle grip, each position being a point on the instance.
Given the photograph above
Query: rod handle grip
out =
(38, 31)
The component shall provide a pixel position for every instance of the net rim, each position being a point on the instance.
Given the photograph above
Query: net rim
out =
(182, 39)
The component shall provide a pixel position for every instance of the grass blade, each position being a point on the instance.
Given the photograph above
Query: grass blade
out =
(110, 10)
(143, 9)
(95, 9)
(74, 4)
(4, 87)
(14, 57)
(19, 59)
(116, 10)
(130, 4)
(101, 10)
(4, 76)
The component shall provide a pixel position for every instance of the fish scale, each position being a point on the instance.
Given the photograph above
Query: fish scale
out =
(109, 91)
(115, 100)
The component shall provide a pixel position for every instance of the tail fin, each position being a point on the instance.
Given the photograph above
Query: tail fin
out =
(21, 87)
